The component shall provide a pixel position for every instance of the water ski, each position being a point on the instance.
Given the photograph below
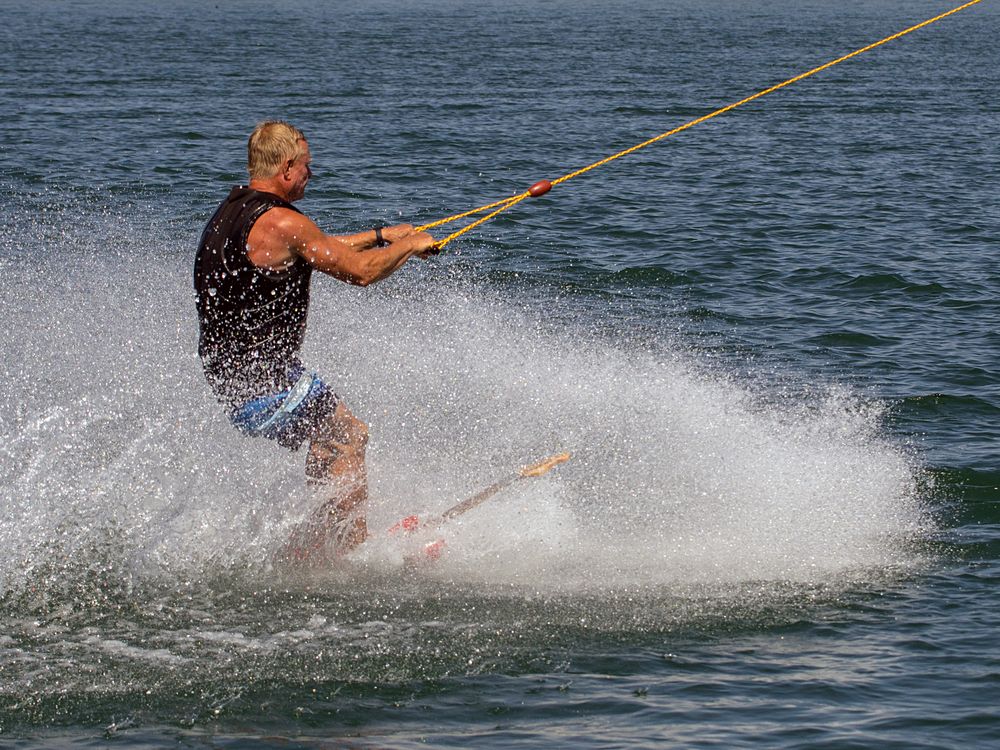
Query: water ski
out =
(309, 543)
(432, 550)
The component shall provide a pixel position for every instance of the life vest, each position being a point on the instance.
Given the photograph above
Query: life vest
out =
(252, 320)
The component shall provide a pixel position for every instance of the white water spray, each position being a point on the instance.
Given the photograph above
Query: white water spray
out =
(111, 439)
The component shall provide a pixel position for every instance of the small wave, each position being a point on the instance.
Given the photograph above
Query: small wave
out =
(947, 404)
(885, 282)
(978, 492)
(852, 340)
(653, 276)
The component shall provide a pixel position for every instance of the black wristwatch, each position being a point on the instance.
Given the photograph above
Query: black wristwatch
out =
(379, 239)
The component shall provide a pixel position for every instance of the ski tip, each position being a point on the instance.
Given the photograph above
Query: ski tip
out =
(536, 470)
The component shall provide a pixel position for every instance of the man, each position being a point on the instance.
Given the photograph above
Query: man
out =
(251, 277)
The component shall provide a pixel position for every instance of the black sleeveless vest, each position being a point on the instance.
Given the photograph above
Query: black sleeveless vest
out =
(252, 321)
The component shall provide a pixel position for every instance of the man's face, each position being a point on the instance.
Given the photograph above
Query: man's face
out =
(298, 174)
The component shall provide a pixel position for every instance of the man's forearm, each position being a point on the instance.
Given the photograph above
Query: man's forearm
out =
(362, 266)
(377, 237)
(360, 241)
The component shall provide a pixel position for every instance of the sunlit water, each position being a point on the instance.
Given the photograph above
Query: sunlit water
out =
(775, 370)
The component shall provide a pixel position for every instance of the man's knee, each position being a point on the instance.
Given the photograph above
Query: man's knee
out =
(343, 428)
(359, 433)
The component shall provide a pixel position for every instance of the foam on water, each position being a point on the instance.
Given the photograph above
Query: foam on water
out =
(117, 464)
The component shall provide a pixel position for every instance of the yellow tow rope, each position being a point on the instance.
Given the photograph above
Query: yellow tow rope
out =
(543, 186)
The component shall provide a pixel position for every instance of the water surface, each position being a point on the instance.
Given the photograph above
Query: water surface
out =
(770, 343)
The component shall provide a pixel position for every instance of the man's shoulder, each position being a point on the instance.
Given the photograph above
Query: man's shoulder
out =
(284, 216)
(279, 235)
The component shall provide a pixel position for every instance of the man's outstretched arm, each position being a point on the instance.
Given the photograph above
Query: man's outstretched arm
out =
(281, 235)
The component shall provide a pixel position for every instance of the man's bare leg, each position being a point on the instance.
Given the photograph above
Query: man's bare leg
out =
(337, 460)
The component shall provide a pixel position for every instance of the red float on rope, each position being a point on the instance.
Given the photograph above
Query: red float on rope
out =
(539, 188)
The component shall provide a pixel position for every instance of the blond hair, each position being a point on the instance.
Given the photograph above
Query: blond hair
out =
(271, 144)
